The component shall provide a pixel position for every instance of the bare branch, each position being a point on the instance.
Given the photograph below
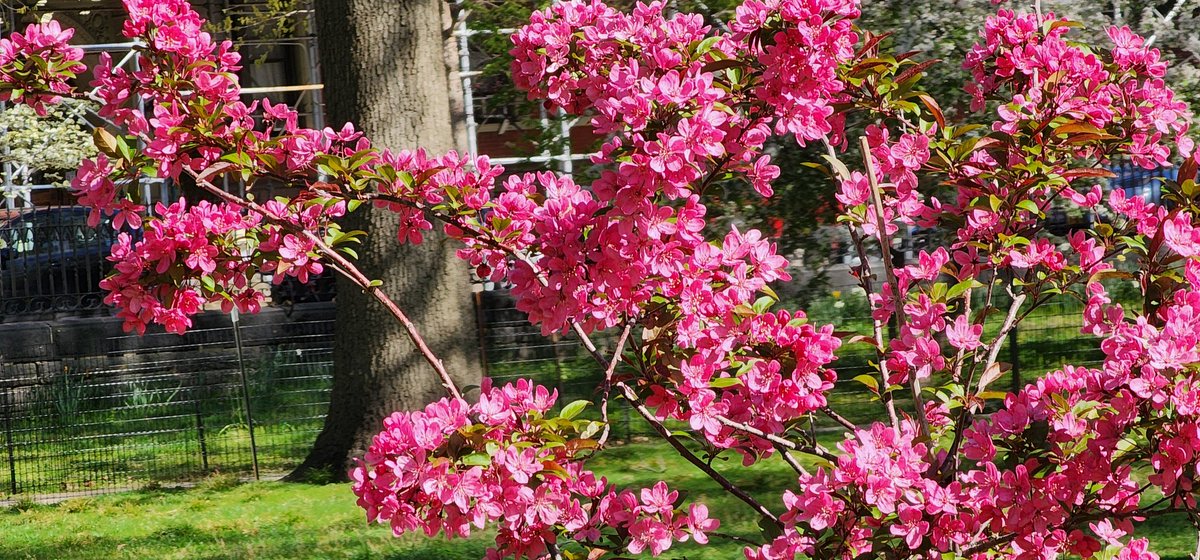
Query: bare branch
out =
(994, 352)
(608, 375)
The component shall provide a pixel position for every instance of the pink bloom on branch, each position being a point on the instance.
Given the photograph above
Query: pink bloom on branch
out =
(963, 334)
(658, 499)
(700, 524)
(649, 534)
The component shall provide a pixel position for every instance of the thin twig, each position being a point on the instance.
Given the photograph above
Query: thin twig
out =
(994, 352)
(827, 411)
(864, 280)
(608, 375)
(636, 403)
(791, 461)
(816, 450)
(885, 248)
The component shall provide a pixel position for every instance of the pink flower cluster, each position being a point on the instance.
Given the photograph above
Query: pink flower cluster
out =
(1123, 93)
(683, 106)
(37, 66)
(503, 461)
(801, 46)
(160, 278)
(766, 372)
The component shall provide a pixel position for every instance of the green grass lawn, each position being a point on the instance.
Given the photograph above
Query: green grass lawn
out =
(222, 519)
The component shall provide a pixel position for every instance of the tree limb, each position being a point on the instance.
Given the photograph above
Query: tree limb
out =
(885, 247)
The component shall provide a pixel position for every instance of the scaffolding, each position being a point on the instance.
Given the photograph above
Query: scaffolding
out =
(17, 186)
(19, 189)
(559, 152)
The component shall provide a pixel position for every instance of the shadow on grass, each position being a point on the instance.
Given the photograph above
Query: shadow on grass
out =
(277, 520)
(215, 521)
(181, 540)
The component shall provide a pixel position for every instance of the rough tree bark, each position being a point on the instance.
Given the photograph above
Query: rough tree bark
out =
(384, 67)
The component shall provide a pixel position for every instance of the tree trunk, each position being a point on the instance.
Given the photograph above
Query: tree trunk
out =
(384, 68)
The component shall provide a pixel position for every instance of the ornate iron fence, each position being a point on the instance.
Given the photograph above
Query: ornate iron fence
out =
(51, 261)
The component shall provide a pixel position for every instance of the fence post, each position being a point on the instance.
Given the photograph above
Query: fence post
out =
(481, 326)
(1014, 350)
(237, 341)
(8, 440)
(200, 422)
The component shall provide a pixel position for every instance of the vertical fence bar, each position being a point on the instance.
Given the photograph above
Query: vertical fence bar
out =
(200, 423)
(481, 327)
(1014, 351)
(555, 339)
(237, 341)
(8, 440)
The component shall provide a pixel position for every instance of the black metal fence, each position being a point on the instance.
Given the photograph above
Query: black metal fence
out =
(164, 408)
(52, 261)
(1049, 338)
(84, 408)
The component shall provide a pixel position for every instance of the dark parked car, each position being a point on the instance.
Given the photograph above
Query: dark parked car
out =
(52, 260)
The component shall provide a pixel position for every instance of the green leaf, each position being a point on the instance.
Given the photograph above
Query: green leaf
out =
(938, 292)
(961, 288)
(1031, 206)
(869, 381)
(477, 460)
(763, 304)
(723, 382)
(840, 170)
(994, 202)
(573, 409)
(707, 44)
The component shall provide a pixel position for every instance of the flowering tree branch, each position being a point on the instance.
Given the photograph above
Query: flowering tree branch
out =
(1055, 469)
(885, 250)
(344, 266)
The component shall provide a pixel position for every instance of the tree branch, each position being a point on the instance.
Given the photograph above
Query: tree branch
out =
(864, 280)
(885, 247)
(994, 351)
(636, 403)
(608, 375)
(346, 267)
(776, 440)
(1166, 20)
